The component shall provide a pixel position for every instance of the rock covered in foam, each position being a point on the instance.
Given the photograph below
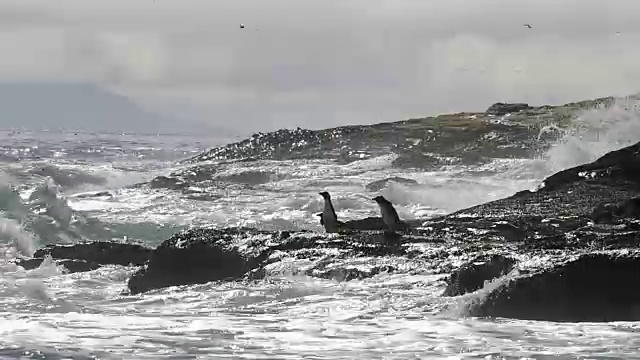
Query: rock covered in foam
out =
(473, 275)
(89, 256)
(203, 255)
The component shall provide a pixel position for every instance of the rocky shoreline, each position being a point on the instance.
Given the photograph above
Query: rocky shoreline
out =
(502, 131)
(565, 252)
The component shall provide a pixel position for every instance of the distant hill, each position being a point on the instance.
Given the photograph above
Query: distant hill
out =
(81, 107)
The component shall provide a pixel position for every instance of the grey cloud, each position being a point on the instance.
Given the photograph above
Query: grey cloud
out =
(12, 17)
(321, 63)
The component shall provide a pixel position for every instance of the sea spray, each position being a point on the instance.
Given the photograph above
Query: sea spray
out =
(595, 132)
(13, 232)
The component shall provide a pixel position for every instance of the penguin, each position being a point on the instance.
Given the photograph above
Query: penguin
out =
(328, 218)
(389, 215)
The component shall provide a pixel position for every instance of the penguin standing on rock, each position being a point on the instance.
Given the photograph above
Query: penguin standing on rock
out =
(389, 214)
(328, 218)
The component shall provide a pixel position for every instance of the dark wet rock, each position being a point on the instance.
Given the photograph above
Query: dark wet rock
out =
(165, 182)
(96, 194)
(557, 221)
(199, 256)
(611, 213)
(204, 255)
(89, 256)
(74, 266)
(29, 264)
(71, 266)
(473, 275)
(508, 231)
(366, 224)
(349, 246)
(370, 223)
(103, 253)
(593, 287)
(202, 176)
(199, 196)
(499, 109)
(376, 224)
(383, 183)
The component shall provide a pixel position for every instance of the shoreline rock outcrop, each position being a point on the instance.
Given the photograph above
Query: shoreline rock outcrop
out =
(568, 251)
(89, 256)
(200, 256)
(594, 288)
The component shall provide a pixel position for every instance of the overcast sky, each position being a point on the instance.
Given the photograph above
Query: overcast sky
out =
(320, 63)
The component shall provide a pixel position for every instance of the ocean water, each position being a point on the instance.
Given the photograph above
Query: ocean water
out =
(48, 183)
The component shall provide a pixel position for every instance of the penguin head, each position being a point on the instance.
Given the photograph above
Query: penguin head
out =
(325, 195)
(380, 200)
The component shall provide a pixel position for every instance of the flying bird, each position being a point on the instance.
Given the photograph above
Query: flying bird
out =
(528, 25)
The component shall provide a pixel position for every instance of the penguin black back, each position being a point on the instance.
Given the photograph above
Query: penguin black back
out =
(327, 199)
(389, 214)
(328, 218)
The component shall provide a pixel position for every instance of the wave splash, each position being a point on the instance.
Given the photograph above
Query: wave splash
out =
(595, 132)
